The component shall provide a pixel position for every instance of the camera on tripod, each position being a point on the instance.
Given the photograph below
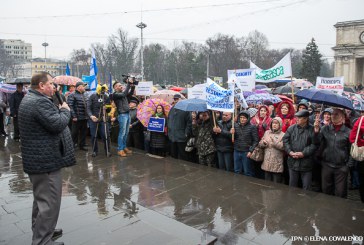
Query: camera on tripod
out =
(126, 79)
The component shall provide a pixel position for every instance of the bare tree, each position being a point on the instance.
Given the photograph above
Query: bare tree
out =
(81, 62)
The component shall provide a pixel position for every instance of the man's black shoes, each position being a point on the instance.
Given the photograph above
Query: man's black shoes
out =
(57, 234)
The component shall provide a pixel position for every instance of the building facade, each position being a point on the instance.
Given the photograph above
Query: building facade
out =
(349, 51)
(53, 66)
(18, 49)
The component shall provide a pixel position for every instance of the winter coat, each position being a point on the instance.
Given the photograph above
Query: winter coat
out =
(14, 102)
(158, 139)
(300, 139)
(46, 142)
(94, 105)
(3, 102)
(246, 136)
(223, 140)
(121, 98)
(204, 138)
(354, 131)
(336, 146)
(261, 123)
(289, 119)
(179, 125)
(78, 104)
(274, 150)
(134, 122)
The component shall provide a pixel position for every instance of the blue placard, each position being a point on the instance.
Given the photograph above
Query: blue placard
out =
(156, 124)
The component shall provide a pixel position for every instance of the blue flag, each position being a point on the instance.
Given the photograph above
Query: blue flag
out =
(68, 71)
(110, 83)
(93, 72)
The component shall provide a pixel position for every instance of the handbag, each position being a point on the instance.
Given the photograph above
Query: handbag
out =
(190, 144)
(357, 152)
(258, 154)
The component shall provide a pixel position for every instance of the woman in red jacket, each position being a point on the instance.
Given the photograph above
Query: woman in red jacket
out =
(262, 120)
(360, 143)
(286, 111)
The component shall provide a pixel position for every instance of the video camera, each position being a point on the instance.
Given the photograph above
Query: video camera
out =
(126, 79)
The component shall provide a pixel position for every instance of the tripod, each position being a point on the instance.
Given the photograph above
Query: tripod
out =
(104, 120)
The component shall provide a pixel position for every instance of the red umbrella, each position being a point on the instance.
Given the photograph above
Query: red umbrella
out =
(66, 80)
(178, 89)
(284, 98)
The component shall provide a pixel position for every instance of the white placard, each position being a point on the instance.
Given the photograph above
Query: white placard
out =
(281, 70)
(197, 92)
(335, 84)
(144, 88)
(244, 77)
(218, 98)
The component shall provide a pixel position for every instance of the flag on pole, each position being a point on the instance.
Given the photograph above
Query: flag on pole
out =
(68, 71)
(93, 72)
(110, 83)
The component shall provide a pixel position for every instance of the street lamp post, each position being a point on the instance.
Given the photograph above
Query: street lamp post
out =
(45, 44)
(141, 25)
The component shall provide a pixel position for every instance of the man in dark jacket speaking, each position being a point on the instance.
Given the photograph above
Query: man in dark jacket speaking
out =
(46, 147)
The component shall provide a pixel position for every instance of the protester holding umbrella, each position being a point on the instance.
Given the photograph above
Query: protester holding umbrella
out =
(15, 100)
(158, 140)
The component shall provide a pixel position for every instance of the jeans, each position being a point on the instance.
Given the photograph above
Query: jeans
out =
(242, 162)
(225, 160)
(124, 122)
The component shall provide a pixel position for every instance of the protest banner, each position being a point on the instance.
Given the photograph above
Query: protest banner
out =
(197, 92)
(335, 84)
(218, 98)
(238, 92)
(144, 88)
(281, 70)
(244, 77)
(156, 124)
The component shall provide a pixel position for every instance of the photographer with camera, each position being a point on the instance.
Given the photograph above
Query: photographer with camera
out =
(97, 109)
(120, 98)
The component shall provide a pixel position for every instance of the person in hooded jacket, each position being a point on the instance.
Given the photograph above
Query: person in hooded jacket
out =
(204, 140)
(223, 142)
(158, 140)
(272, 143)
(262, 120)
(246, 139)
(286, 111)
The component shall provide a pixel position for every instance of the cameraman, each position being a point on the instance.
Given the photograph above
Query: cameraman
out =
(96, 109)
(120, 98)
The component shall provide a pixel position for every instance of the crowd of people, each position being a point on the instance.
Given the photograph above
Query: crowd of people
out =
(301, 145)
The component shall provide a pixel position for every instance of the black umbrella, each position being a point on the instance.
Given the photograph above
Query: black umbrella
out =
(285, 90)
(19, 80)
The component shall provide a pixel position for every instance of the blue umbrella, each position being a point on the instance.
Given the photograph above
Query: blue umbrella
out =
(325, 97)
(191, 105)
(260, 98)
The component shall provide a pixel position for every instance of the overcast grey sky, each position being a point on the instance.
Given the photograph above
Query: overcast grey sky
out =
(77, 24)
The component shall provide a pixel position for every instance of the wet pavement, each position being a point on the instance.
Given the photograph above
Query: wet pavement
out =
(145, 200)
